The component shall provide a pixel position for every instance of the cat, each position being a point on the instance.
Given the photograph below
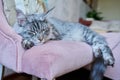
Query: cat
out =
(37, 28)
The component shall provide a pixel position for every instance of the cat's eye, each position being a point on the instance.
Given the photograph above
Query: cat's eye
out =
(31, 33)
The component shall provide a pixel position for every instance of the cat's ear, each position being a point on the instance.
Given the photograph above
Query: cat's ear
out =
(21, 18)
(44, 15)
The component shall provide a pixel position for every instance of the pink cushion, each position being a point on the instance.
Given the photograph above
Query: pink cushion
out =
(11, 51)
(56, 58)
(7, 51)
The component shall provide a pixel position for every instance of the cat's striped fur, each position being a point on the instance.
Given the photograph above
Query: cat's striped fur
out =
(39, 29)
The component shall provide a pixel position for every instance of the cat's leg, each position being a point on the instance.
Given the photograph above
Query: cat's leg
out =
(105, 52)
(103, 58)
(27, 44)
(107, 55)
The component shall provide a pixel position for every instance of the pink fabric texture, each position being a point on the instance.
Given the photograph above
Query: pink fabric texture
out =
(114, 42)
(11, 51)
(54, 58)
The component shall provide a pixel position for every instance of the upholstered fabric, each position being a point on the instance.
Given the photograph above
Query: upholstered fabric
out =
(114, 42)
(11, 51)
(54, 58)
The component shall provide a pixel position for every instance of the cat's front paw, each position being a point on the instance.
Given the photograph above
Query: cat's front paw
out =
(106, 53)
(109, 61)
(27, 44)
(108, 56)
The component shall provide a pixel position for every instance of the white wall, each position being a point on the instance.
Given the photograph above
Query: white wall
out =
(110, 9)
(70, 10)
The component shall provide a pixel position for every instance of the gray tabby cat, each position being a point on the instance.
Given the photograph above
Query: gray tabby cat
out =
(35, 28)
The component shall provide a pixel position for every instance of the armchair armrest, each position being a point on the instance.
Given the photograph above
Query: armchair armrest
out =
(11, 50)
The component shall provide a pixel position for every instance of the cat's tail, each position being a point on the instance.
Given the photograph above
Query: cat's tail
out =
(98, 69)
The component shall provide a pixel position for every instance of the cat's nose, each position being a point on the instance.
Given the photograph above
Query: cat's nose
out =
(40, 38)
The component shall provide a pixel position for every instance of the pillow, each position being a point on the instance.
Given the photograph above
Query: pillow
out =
(99, 26)
(114, 26)
(105, 26)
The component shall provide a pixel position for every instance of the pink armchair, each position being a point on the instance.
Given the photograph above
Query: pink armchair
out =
(54, 58)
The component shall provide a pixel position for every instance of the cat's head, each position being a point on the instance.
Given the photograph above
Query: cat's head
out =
(30, 23)
(23, 19)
